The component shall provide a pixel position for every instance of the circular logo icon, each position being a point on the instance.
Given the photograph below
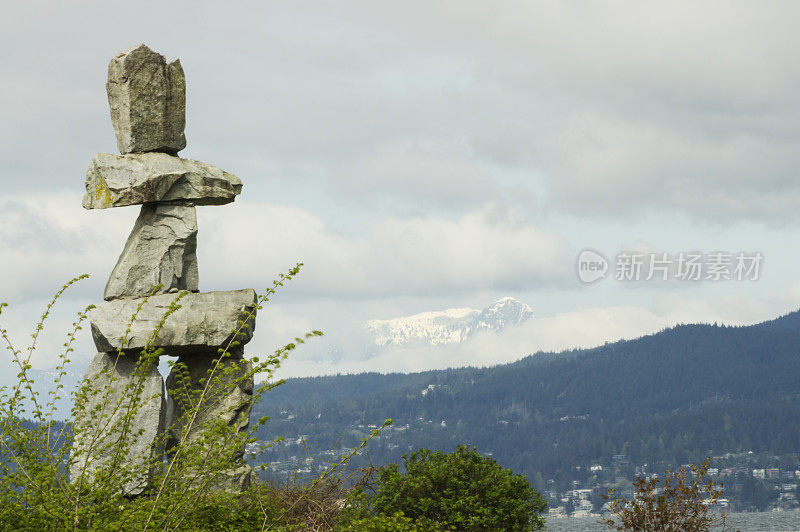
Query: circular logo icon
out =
(592, 266)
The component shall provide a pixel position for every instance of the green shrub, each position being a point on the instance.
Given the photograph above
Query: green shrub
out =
(389, 523)
(462, 490)
(37, 491)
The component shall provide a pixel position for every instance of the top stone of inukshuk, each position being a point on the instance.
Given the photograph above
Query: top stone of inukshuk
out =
(147, 97)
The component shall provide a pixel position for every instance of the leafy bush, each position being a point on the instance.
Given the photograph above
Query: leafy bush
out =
(669, 504)
(37, 491)
(389, 523)
(462, 490)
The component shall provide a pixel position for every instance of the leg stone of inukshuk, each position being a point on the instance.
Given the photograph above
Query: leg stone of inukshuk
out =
(214, 430)
(147, 97)
(160, 250)
(120, 422)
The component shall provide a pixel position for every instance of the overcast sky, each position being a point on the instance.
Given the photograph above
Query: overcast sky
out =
(419, 156)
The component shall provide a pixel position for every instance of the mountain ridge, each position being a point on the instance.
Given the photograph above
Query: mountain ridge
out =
(668, 398)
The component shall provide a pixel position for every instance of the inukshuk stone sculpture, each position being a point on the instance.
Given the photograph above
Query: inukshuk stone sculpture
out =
(147, 97)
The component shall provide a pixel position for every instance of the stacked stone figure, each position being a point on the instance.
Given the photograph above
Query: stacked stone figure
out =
(147, 97)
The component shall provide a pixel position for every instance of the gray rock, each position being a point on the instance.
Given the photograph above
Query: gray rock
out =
(161, 249)
(204, 323)
(237, 479)
(147, 97)
(98, 440)
(228, 400)
(137, 178)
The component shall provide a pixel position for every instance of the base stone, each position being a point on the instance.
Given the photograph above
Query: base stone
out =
(99, 444)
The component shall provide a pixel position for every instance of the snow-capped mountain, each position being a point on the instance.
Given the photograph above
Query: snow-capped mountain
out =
(449, 326)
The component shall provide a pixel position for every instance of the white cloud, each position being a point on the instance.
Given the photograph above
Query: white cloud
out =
(48, 238)
(418, 173)
(604, 109)
(486, 248)
(429, 150)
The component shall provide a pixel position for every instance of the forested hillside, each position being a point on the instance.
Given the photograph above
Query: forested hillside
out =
(670, 398)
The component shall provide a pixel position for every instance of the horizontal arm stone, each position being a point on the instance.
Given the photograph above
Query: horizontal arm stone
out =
(138, 178)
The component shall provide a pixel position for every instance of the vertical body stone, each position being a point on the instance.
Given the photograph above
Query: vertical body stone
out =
(161, 249)
(147, 97)
(104, 436)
